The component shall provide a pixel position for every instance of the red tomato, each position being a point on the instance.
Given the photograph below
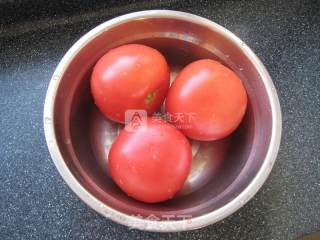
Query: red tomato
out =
(131, 76)
(150, 165)
(207, 101)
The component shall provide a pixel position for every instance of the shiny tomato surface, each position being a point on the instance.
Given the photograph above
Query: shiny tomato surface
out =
(131, 76)
(150, 165)
(207, 100)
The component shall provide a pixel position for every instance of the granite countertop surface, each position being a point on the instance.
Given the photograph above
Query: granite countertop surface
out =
(35, 203)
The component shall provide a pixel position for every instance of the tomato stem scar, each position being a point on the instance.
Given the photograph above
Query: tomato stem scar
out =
(150, 97)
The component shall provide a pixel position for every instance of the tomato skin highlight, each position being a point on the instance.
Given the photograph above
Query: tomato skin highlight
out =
(150, 165)
(215, 96)
(131, 76)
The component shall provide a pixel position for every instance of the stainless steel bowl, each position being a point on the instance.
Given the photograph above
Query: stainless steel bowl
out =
(225, 174)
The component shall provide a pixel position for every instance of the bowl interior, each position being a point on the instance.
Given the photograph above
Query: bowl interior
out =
(221, 169)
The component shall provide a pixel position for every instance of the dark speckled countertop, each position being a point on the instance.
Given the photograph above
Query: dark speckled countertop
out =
(35, 203)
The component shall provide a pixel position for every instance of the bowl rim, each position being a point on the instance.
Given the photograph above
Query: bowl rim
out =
(149, 224)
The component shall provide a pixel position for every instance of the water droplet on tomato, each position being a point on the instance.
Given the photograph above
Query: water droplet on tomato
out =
(120, 182)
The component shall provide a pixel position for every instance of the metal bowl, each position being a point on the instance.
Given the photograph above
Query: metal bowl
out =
(225, 174)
